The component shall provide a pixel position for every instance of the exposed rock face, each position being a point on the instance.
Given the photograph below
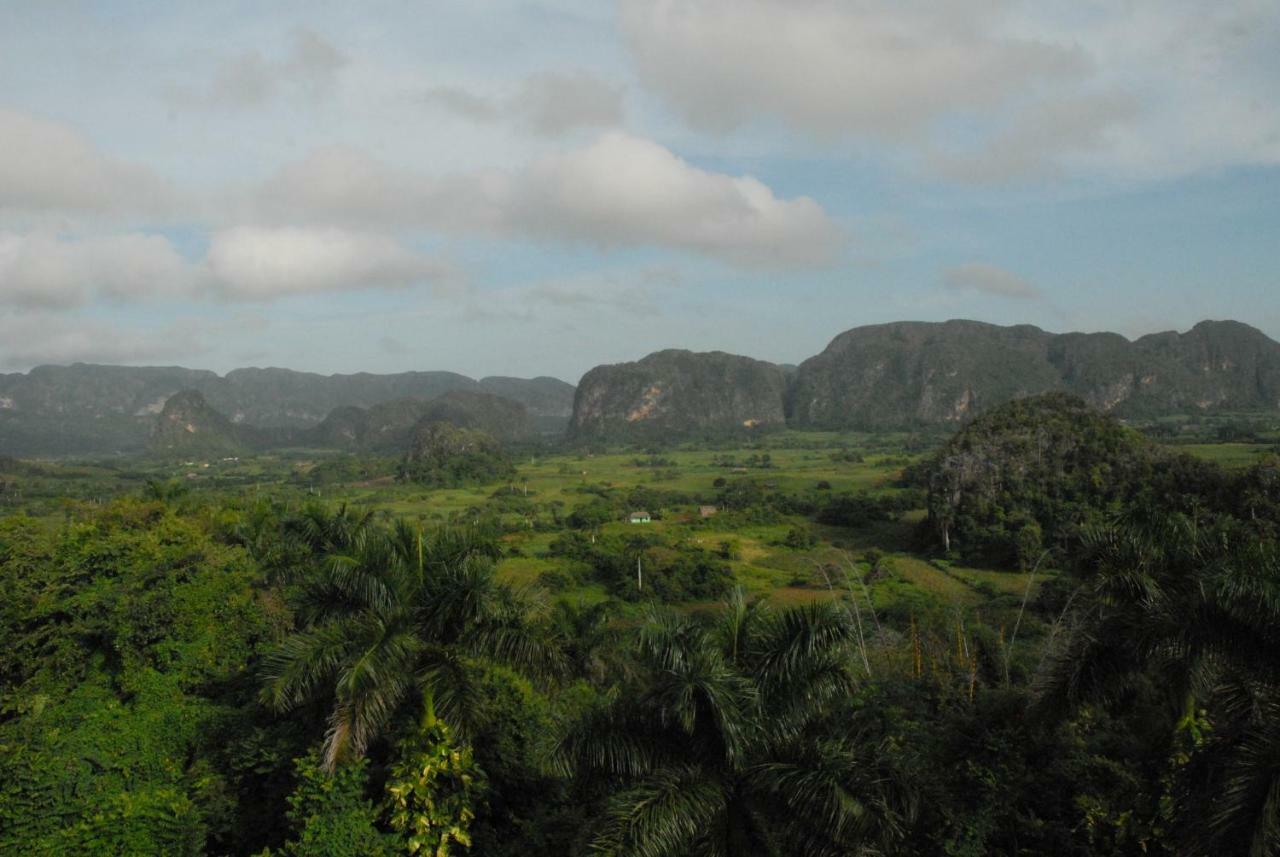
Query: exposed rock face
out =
(86, 409)
(678, 394)
(915, 373)
(894, 374)
(187, 425)
(1216, 364)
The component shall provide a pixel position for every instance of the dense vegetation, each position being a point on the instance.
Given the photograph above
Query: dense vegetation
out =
(445, 456)
(790, 659)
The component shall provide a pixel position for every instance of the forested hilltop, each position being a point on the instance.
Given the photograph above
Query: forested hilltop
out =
(1045, 633)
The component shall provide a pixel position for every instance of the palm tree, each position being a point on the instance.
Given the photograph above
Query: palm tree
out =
(714, 747)
(1195, 609)
(393, 619)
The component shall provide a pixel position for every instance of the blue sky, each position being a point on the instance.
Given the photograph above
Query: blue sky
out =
(535, 188)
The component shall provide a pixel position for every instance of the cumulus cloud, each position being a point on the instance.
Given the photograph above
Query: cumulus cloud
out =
(43, 270)
(49, 166)
(987, 279)
(550, 104)
(625, 190)
(881, 69)
(619, 190)
(256, 263)
(243, 263)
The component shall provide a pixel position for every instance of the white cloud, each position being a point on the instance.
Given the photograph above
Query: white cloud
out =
(256, 263)
(625, 190)
(43, 270)
(619, 190)
(49, 166)
(988, 279)
(881, 69)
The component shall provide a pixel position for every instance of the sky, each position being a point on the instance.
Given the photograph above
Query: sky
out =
(535, 188)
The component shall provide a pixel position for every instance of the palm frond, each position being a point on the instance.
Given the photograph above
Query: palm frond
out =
(667, 815)
(305, 663)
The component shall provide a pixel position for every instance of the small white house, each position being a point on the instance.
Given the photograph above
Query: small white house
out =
(641, 518)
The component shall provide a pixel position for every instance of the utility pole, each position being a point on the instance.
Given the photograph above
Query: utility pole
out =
(639, 576)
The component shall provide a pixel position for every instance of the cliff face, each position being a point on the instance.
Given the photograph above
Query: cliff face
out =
(187, 425)
(678, 393)
(892, 375)
(911, 373)
(1216, 364)
(86, 409)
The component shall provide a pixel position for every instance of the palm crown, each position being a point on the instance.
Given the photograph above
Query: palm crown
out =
(711, 743)
(391, 618)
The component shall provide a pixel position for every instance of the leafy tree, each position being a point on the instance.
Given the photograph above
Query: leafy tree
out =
(330, 815)
(433, 790)
(126, 636)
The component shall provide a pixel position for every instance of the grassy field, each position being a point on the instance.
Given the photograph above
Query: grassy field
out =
(1232, 455)
(547, 488)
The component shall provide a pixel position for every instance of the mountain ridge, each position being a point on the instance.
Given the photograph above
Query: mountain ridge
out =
(98, 409)
(896, 375)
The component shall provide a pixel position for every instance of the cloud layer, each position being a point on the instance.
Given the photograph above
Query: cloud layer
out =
(976, 90)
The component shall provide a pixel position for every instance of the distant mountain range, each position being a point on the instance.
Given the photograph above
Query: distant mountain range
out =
(91, 410)
(888, 376)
